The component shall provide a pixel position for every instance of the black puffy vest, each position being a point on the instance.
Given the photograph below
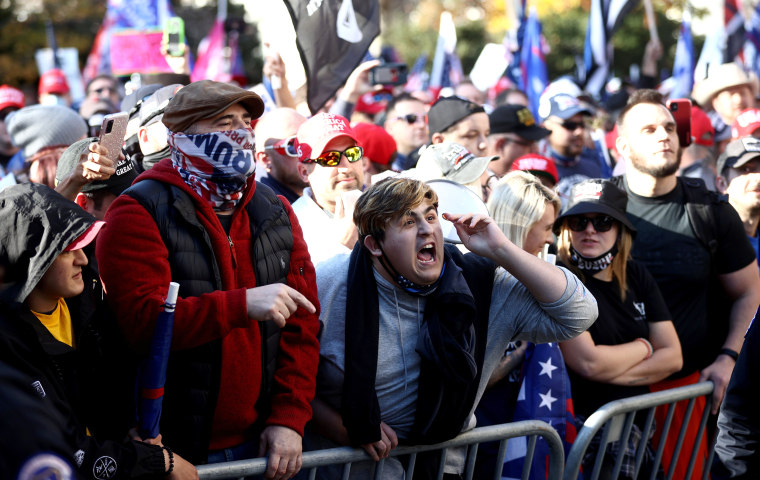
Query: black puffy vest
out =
(194, 375)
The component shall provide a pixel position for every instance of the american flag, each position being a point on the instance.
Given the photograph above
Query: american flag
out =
(533, 63)
(544, 395)
(683, 66)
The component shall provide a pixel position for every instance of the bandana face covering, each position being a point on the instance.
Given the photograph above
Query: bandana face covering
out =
(215, 165)
(592, 266)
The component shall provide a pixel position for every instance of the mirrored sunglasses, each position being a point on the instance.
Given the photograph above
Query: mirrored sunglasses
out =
(602, 223)
(286, 146)
(331, 158)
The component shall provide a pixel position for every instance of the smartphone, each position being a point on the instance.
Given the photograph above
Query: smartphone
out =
(112, 132)
(681, 110)
(389, 74)
(174, 36)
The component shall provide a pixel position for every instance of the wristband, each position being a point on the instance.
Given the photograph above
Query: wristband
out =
(731, 353)
(171, 459)
(648, 345)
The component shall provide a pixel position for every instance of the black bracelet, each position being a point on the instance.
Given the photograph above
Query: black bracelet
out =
(171, 459)
(731, 353)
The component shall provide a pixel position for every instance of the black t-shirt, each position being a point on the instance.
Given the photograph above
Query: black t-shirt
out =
(618, 322)
(681, 265)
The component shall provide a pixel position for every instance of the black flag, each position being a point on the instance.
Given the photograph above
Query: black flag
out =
(332, 37)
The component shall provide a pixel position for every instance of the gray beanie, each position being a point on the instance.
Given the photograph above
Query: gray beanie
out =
(40, 126)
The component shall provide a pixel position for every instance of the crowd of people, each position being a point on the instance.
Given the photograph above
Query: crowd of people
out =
(326, 295)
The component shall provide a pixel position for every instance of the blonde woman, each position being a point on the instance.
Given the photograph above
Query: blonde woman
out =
(633, 342)
(525, 210)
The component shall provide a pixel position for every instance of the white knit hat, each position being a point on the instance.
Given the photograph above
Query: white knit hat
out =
(39, 126)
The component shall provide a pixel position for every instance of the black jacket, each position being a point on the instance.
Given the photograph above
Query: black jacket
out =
(36, 225)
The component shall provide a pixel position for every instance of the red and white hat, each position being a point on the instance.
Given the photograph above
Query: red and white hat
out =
(746, 123)
(87, 237)
(316, 132)
(537, 165)
(11, 97)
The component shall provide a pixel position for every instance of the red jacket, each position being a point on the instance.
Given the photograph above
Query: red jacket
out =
(134, 267)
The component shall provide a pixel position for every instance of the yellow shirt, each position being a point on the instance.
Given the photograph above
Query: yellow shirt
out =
(58, 323)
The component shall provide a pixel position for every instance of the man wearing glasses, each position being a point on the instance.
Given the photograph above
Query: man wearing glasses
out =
(566, 117)
(405, 121)
(276, 150)
(331, 160)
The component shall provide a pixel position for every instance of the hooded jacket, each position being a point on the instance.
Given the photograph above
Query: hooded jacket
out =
(37, 225)
(136, 267)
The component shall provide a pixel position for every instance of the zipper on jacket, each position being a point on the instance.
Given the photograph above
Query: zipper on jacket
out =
(300, 270)
(232, 251)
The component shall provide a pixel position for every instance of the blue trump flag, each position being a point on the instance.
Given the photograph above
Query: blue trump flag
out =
(533, 63)
(544, 395)
(152, 374)
(683, 66)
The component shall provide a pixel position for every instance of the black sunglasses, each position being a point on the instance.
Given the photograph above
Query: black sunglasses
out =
(411, 118)
(571, 126)
(602, 223)
(331, 158)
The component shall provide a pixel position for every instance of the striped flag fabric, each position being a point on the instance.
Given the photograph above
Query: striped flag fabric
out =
(733, 21)
(418, 78)
(533, 63)
(544, 395)
(447, 69)
(683, 66)
(604, 19)
(752, 45)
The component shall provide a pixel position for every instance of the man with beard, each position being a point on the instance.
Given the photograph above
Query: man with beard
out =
(739, 178)
(413, 329)
(332, 161)
(242, 369)
(664, 209)
(276, 150)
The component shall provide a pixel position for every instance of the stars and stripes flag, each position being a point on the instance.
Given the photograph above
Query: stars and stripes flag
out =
(418, 78)
(137, 14)
(605, 18)
(544, 395)
(533, 62)
(752, 45)
(683, 66)
(332, 39)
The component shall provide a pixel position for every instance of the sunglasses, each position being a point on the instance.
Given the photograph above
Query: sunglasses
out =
(331, 158)
(286, 146)
(411, 118)
(602, 223)
(572, 126)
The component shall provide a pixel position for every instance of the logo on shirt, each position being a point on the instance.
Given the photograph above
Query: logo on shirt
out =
(104, 468)
(642, 311)
(37, 386)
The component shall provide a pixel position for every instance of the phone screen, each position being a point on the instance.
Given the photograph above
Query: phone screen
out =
(173, 38)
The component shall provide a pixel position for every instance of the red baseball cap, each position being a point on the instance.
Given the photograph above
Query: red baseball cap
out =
(537, 165)
(11, 97)
(702, 130)
(316, 132)
(87, 237)
(53, 81)
(746, 122)
(378, 144)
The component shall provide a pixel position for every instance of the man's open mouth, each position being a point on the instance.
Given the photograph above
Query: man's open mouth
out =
(426, 254)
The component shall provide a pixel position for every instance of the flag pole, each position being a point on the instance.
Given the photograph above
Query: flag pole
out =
(651, 21)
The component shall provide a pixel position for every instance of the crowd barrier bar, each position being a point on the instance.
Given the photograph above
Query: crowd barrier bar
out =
(347, 455)
(617, 419)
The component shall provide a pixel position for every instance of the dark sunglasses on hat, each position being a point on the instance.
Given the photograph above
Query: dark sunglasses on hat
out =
(331, 158)
(602, 223)
(286, 146)
(411, 118)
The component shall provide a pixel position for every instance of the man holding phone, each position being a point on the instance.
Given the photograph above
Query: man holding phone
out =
(664, 209)
(242, 369)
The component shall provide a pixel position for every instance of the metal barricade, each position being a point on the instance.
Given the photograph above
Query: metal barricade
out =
(617, 419)
(346, 456)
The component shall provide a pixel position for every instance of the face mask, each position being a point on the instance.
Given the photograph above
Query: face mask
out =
(216, 165)
(591, 266)
(153, 158)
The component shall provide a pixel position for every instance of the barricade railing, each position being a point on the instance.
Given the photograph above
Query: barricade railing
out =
(617, 419)
(345, 456)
